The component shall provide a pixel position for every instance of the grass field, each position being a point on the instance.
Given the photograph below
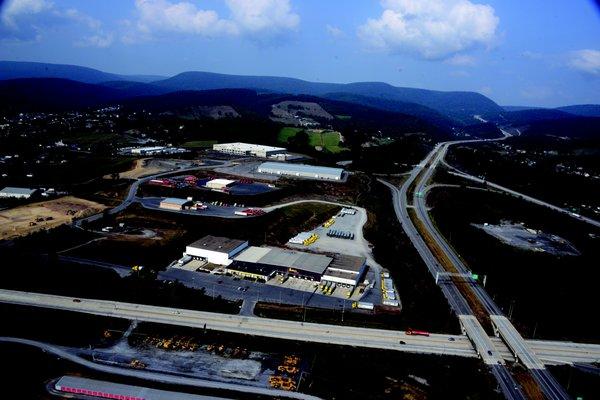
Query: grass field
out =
(198, 144)
(328, 140)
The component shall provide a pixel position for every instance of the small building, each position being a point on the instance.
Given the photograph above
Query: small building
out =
(219, 184)
(303, 171)
(248, 149)
(215, 249)
(171, 203)
(346, 270)
(17, 193)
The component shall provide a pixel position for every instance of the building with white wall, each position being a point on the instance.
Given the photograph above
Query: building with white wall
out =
(215, 249)
(248, 149)
(17, 192)
(301, 171)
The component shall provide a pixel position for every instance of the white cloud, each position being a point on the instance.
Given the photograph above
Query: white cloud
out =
(100, 40)
(29, 20)
(14, 9)
(183, 17)
(334, 31)
(249, 17)
(586, 60)
(263, 15)
(433, 29)
(461, 60)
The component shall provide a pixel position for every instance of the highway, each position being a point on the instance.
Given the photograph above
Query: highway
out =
(155, 376)
(421, 175)
(522, 196)
(437, 344)
(485, 347)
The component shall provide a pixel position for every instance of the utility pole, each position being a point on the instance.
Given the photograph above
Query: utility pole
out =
(343, 309)
(510, 310)
(534, 330)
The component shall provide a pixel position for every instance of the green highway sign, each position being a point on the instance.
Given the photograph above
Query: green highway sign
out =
(475, 276)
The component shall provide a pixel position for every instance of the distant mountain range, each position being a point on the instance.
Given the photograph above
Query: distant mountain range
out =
(36, 86)
(457, 106)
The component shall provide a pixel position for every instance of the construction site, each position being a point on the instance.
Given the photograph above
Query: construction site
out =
(200, 356)
(26, 219)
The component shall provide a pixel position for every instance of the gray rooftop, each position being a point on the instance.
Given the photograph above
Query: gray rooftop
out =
(348, 263)
(173, 200)
(301, 168)
(17, 190)
(316, 263)
(217, 243)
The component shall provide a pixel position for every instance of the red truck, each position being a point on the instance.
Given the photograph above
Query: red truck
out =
(162, 182)
(415, 332)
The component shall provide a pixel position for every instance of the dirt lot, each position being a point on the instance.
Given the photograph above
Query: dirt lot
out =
(21, 221)
(140, 168)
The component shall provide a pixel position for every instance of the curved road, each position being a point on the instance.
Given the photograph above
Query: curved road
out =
(421, 176)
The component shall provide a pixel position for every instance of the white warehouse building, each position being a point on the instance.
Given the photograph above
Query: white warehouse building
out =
(17, 192)
(302, 171)
(216, 250)
(247, 149)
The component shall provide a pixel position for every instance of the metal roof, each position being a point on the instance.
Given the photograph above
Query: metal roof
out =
(221, 181)
(252, 254)
(75, 382)
(216, 243)
(345, 262)
(301, 168)
(247, 147)
(17, 190)
(173, 200)
(316, 263)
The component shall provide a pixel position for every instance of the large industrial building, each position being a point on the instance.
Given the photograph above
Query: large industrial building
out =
(301, 171)
(263, 263)
(247, 149)
(216, 250)
(17, 193)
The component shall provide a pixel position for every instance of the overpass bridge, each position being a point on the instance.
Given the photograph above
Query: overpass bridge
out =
(542, 352)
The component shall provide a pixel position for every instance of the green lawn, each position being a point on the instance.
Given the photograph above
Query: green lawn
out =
(199, 143)
(328, 140)
(286, 133)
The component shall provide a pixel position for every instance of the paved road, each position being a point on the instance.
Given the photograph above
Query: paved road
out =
(153, 203)
(421, 175)
(155, 376)
(522, 196)
(228, 288)
(131, 194)
(549, 386)
(485, 348)
(441, 344)
(457, 302)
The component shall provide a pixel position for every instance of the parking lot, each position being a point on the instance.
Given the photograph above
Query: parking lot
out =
(313, 287)
(231, 288)
(153, 203)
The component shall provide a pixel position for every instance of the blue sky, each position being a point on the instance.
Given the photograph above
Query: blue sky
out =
(528, 52)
